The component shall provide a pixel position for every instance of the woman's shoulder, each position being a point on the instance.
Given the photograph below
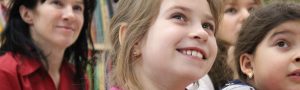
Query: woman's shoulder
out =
(15, 63)
(237, 85)
(8, 66)
(7, 61)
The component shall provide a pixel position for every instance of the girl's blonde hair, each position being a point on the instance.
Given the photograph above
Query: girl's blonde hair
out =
(138, 15)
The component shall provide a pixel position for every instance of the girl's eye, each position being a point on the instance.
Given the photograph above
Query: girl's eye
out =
(282, 44)
(179, 17)
(208, 26)
(251, 9)
(231, 10)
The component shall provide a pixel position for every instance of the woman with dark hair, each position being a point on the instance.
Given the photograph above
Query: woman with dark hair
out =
(45, 45)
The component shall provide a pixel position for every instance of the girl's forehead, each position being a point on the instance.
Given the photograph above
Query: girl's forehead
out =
(288, 28)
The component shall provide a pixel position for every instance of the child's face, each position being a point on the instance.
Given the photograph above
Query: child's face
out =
(234, 15)
(276, 63)
(181, 41)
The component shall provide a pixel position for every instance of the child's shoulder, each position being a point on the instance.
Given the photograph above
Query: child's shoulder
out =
(237, 85)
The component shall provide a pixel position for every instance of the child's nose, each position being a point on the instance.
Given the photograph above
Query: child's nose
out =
(199, 34)
(296, 57)
(244, 14)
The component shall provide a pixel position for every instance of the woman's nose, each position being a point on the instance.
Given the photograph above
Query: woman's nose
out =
(68, 13)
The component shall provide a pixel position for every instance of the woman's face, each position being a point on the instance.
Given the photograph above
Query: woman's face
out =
(235, 14)
(56, 23)
(276, 62)
(181, 41)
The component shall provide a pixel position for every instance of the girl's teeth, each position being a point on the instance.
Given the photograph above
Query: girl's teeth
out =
(199, 55)
(192, 53)
(189, 52)
(184, 52)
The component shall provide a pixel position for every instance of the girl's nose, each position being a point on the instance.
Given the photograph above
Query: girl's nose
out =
(244, 14)
(199, 34)
(296, 57)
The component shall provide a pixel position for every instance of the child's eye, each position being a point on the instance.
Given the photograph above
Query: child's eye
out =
(178, 17)
(251, 9)
(282, 44)
(231, 10)
(208, 26)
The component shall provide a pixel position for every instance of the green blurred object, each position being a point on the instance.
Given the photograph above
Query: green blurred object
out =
(269, 1)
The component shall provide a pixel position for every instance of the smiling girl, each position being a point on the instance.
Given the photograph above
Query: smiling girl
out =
(162, 44)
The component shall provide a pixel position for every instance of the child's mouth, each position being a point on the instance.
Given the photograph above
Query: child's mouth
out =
(193, 53)
(295, 75)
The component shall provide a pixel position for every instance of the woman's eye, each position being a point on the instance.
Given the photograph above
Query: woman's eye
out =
(282, 44)
(78, 8)
(231, 10)
(57, 2)
(208, 26)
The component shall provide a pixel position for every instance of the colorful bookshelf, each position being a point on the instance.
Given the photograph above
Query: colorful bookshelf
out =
(102, 17)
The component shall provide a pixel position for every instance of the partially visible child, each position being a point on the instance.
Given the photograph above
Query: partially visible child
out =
(268, 49)
(162, 44)
(235, 13)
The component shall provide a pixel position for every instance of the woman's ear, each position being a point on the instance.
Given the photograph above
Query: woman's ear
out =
(246, 64)
(26, 14)
(122, 32)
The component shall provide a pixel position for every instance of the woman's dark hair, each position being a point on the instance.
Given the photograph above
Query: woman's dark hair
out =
(16, 38)
(259, 24)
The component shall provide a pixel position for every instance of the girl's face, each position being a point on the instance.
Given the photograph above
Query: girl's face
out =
(181, 41)
(276, 62)
(234, 15)
(56, 23)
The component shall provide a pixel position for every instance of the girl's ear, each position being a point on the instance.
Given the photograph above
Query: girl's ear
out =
(246, 64)
(137, 50)
(122, 32)
(26, 14)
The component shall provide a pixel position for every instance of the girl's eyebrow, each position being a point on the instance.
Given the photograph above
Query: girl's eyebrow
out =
(180, 8)
(189, 10)
(209, 17)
